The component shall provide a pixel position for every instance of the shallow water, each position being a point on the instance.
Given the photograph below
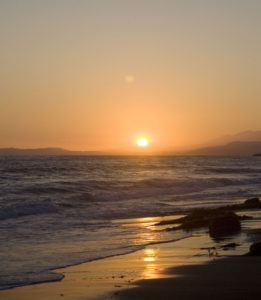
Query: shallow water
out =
(57, 211)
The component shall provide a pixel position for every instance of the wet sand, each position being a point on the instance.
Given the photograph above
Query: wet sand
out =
(175, 270)
(102, 279)
(231, 278)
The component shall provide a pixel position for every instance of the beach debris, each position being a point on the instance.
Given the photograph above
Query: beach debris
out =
(117, 285)
(195, 219)
(221, 221)
(122, 276)
(201, 217)
(212, 251)
(61, 295)
(229, 246)
(245, 217)
(253, 203)
(224, 225)
(255, 249)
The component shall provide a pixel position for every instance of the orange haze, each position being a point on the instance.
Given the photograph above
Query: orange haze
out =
(96, 75)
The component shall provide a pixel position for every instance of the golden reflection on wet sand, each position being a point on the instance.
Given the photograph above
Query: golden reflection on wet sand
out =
(151, 266)
(147, 222)
(89, 280)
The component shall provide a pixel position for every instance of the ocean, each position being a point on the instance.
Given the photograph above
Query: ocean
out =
(64, 210)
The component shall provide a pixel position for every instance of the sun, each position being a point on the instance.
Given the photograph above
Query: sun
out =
(142, 142)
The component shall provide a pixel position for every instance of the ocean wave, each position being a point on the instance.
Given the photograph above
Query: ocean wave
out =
(8, 282)
(85, 195)
(158, 186)
(79, 199)
(225, 170)
(25, 209)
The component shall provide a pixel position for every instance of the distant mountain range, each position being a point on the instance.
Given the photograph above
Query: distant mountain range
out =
(234, 148)
(246, 143)
(44, 151)
(243, 143)
(245, 136)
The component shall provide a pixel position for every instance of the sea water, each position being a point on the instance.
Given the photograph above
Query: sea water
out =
(63, 210)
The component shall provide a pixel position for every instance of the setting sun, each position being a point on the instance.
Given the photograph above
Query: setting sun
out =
(142, 142)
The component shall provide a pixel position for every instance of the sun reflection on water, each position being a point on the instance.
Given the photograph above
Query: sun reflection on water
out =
(150, 252)
(150, 258)
(147, 222)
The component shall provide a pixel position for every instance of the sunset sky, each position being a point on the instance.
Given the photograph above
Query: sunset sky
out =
(97, 75)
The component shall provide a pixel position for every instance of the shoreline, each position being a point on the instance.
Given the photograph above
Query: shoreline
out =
(59, 270)
(118, 276)
(100, 278)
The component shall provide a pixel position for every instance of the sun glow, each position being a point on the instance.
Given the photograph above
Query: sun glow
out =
(142, 142)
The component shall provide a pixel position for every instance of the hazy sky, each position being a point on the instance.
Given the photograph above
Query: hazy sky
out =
(97, 74)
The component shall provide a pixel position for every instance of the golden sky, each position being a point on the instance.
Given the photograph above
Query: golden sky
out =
(98, 74)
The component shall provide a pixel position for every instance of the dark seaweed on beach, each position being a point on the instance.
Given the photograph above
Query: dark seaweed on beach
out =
(209, 217)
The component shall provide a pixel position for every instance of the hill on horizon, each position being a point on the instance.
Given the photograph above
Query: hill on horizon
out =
(43, 151)
(244, 136)
(243, 143)
(230, 149)
(241, 148)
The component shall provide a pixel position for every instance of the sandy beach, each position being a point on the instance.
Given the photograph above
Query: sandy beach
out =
(103, 279)
(182, 269)
(232, 278)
